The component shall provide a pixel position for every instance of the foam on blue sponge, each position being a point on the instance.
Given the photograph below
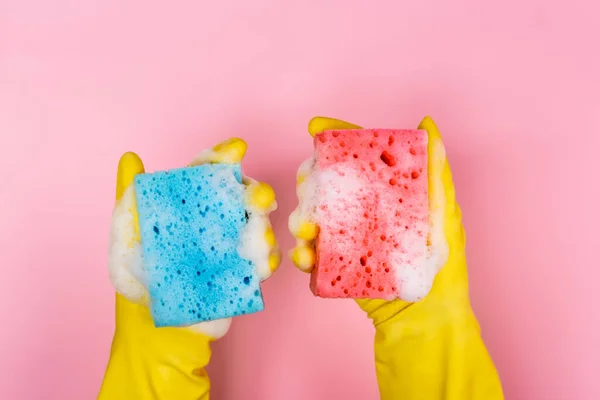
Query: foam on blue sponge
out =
(190, 224)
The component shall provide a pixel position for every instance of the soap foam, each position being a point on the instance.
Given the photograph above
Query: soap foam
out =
(125, 252)
(215, 329)
(334, 191)
(253, 245)
(305, 191)
(204, 157)
(417, 282)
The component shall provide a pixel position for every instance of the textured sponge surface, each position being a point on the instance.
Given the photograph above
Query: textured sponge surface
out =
(372, 210)
(190, 223)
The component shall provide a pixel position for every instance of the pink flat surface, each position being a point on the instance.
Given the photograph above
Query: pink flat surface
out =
(514, 87)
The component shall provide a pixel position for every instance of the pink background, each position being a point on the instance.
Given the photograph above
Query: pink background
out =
(514, 86)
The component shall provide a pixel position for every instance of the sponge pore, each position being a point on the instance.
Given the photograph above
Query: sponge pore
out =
(190, 223)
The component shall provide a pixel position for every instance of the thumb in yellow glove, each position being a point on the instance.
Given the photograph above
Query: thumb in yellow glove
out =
(431, 349)
(151, 363)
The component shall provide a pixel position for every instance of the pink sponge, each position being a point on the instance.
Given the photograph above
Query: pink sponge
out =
(371, 205)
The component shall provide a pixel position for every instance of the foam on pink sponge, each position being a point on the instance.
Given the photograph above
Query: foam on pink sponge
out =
(368, 191)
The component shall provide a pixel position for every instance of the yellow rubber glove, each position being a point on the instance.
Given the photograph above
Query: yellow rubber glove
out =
(149, 363)
(431, 349)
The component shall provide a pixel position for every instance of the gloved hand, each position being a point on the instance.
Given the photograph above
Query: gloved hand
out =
(149, 363)
(431, 349)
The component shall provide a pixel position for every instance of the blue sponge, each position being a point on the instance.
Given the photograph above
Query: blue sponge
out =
(190, 222)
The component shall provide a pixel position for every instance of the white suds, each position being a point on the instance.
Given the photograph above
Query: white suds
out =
(413, 268)
(125, 253)
(205, 156)
(416, 277)
(253, 245)
(215, 329)
(338, 188)
(306, 205)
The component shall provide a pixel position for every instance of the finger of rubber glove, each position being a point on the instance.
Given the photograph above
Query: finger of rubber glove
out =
(260, 199)
(320, 124)
(305, 232)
